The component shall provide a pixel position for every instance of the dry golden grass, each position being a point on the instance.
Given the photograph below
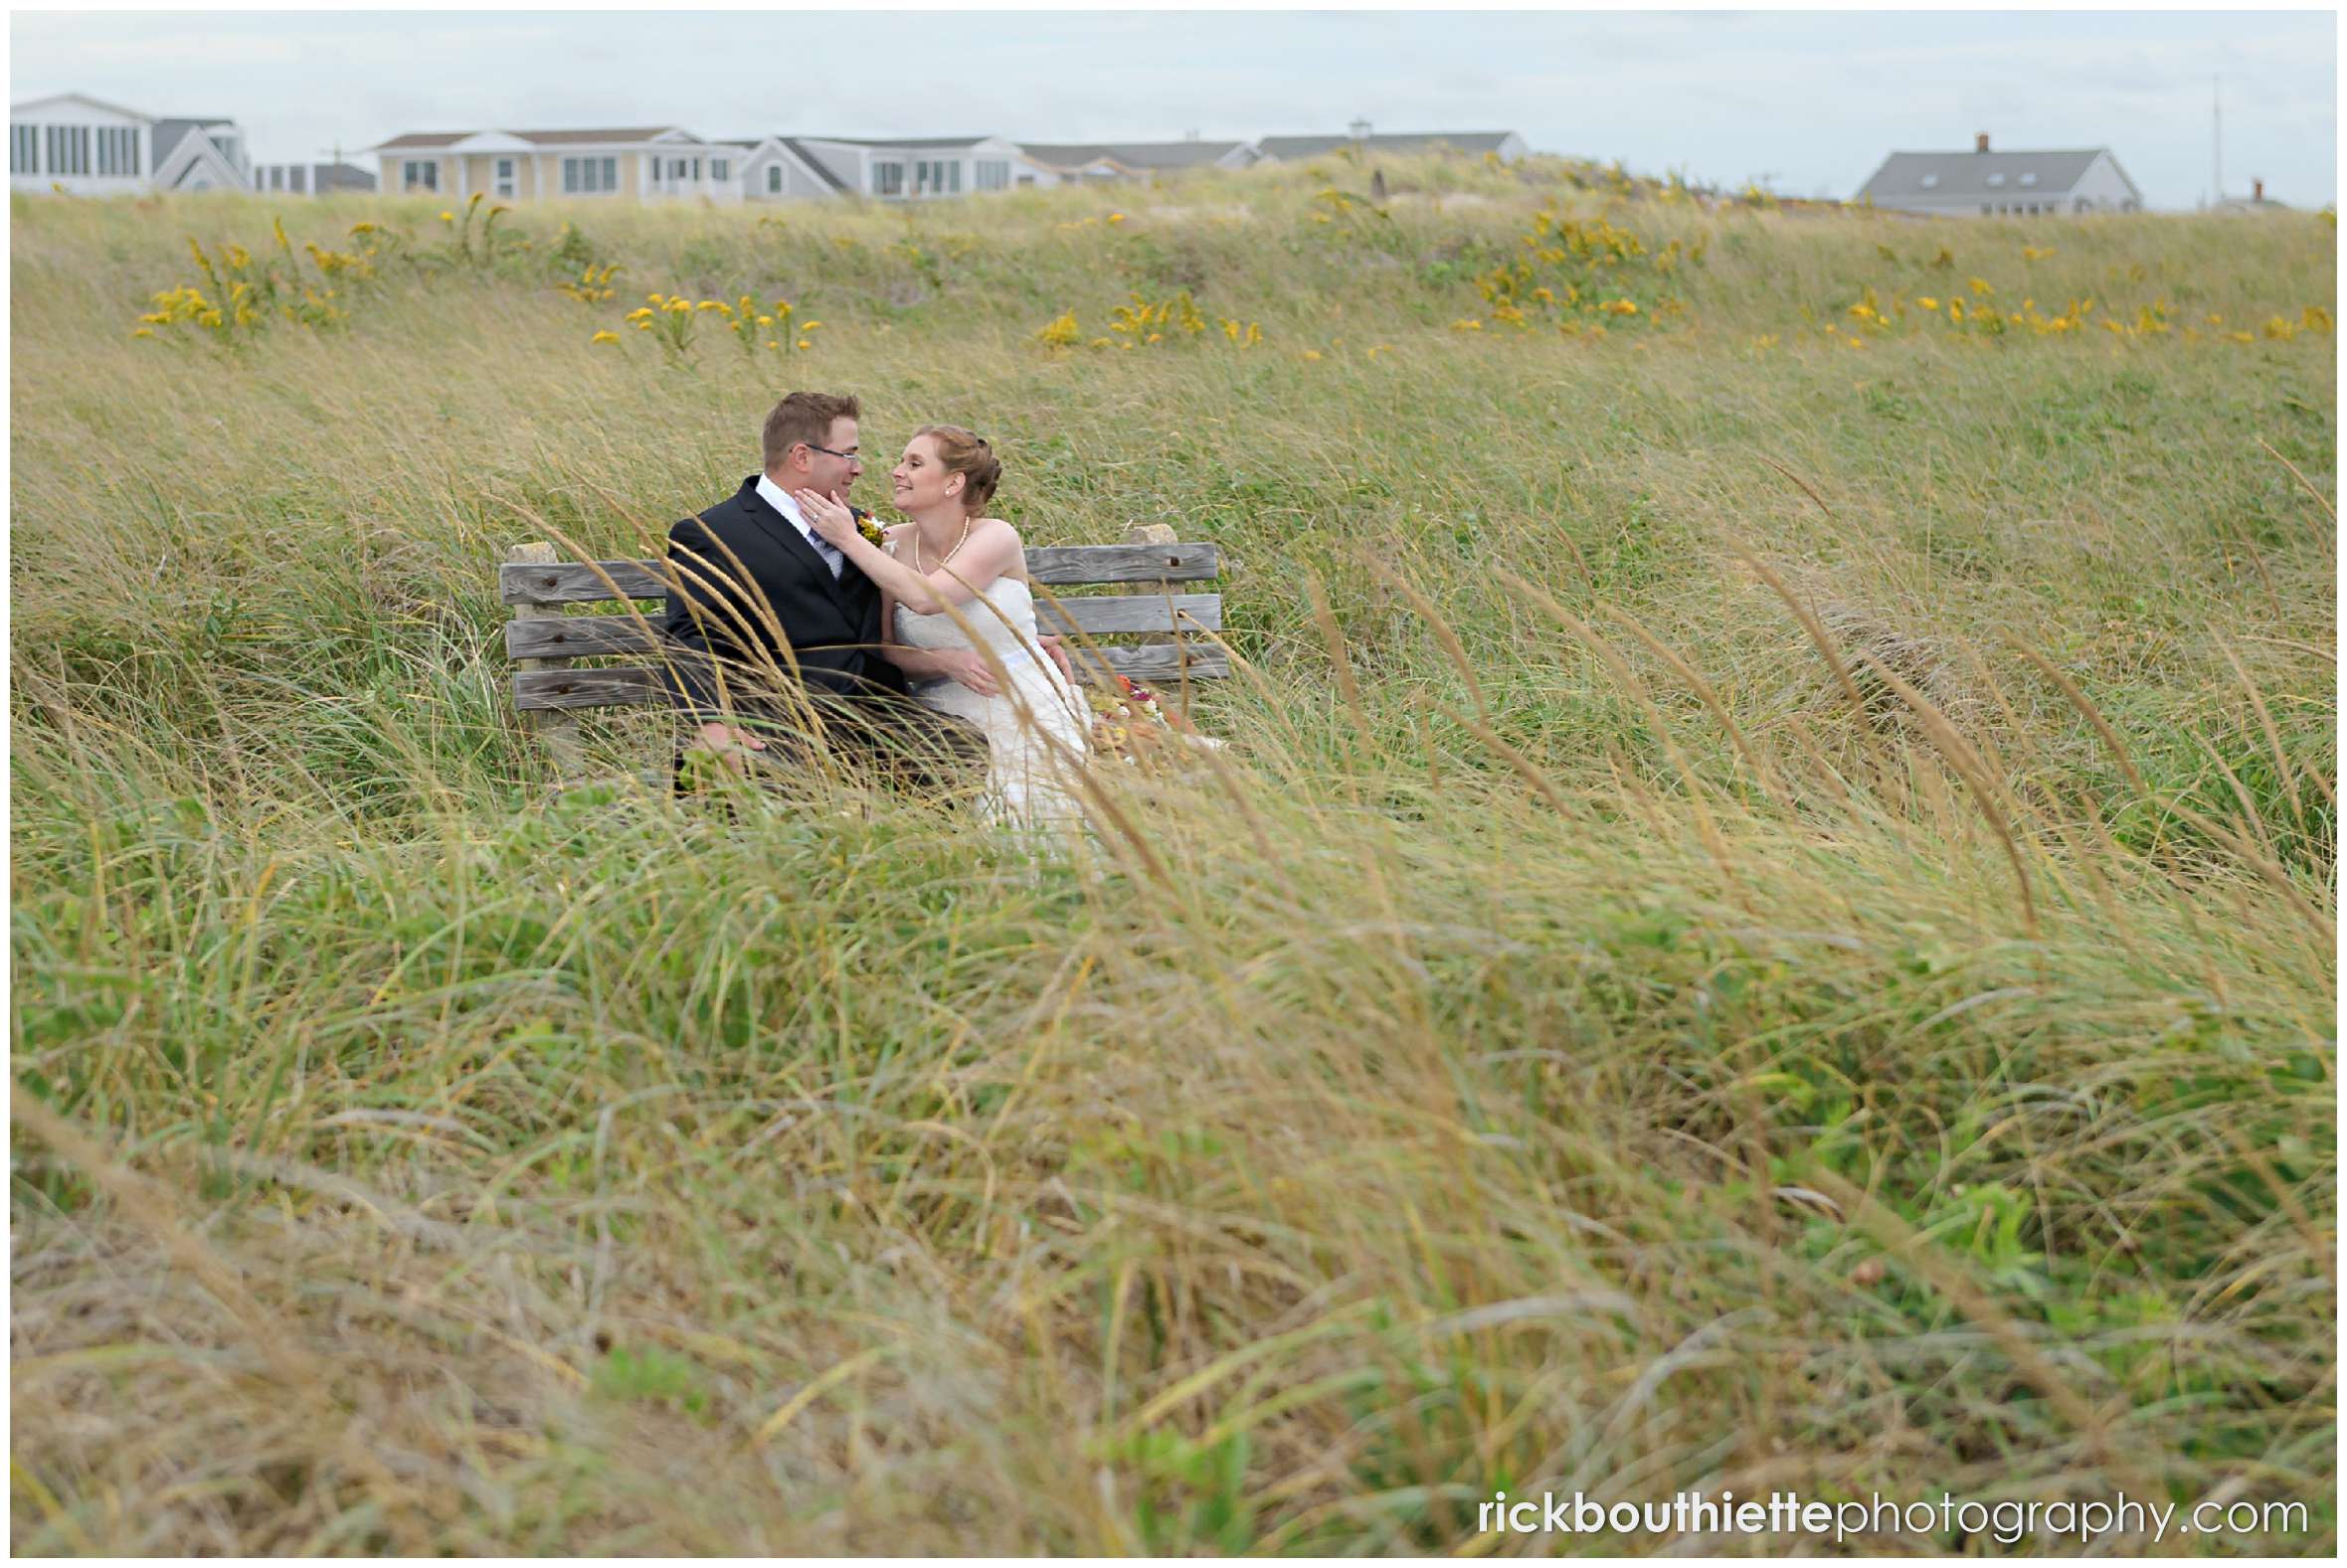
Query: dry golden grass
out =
(1769, 921)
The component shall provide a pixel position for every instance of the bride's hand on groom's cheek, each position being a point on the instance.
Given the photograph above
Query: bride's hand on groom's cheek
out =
(828, 517)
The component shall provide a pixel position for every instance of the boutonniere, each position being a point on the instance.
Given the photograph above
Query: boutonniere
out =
(869, 529)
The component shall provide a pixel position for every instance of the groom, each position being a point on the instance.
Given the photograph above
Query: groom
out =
(770, 623)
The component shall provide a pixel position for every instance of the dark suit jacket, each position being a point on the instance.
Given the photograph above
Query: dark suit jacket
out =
(743, 572)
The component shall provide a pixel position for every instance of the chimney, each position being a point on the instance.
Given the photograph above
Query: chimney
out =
(1980, 142)
(2257, 190)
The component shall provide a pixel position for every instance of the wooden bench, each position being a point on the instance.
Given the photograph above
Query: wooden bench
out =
(547, 643)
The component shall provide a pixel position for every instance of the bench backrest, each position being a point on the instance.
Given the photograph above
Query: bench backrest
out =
(550, 640)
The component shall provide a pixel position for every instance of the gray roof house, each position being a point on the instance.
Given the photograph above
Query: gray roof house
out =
(777, 167)
(1068, 162)
(1986, 184)
(1505, 143)
(311, 179)
(199, 153)
(904, 168)
(86, 146)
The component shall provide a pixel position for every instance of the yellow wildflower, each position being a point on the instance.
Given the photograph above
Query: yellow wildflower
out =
(1926, 302)
(1312, 353)
(1115, 217)
(1981, 287)
(447, 218)
(804, 343)
(1467, 325)
(605, 337)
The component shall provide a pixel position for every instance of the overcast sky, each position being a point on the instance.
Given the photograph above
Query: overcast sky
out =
(1810, 100)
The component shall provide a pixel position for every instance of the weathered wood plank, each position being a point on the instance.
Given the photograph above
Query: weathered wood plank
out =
(615, 686)
(579, 636)
(1108, 614)
(632, 685)
(559, 733)
(559, 637)
(1155, 662)
(589, 583)
(580, 582)
(1187, 562)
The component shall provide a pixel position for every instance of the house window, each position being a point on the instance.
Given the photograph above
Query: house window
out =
(24, 149)
(676, 168)
(717, 169)
(1984, 209)
(276, 176)
(419, 174)
(505, 176)
(992, 174)
(298, 181)
(590, 176)
(1996, 178)
(889, 179)
(774, 179)
(2029, 178)
(937, 177)
(1027, 180)
(69, 149)
(1929, 181)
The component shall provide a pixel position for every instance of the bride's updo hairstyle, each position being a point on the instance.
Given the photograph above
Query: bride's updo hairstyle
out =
(959, 451)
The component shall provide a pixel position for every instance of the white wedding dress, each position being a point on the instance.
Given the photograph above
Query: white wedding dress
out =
(1037, 726)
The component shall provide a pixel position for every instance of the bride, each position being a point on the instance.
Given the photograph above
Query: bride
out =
(959, 620)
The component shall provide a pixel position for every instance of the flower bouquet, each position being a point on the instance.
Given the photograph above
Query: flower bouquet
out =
(1130, 726)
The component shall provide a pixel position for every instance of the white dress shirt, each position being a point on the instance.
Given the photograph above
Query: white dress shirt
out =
(782, 501)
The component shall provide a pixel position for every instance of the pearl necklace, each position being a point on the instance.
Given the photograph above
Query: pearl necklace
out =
(949, 554)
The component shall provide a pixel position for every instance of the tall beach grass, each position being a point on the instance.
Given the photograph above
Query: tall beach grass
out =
(1768, 923)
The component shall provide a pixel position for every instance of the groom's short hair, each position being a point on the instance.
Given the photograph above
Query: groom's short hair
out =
(804, 417)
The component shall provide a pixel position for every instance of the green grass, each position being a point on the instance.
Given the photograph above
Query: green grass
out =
(1634, 1052)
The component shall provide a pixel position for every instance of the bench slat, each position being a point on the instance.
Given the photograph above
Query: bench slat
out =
(630, 685)
(584, 583)
(1187, 562)
(585, 636)
(1105, 615)
(580, 637)
(579, 583)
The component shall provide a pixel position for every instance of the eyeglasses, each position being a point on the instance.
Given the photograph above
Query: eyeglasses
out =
(850, 455)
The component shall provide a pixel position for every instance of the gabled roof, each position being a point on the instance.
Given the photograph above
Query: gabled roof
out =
(904, 141)
(421, 140)
(441, 140)
(1403, 141)
(799, 151)
(166, 134)
(1966, 176)
(1132, 154)
(822, 170)
(189, 147)
(77, 97)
